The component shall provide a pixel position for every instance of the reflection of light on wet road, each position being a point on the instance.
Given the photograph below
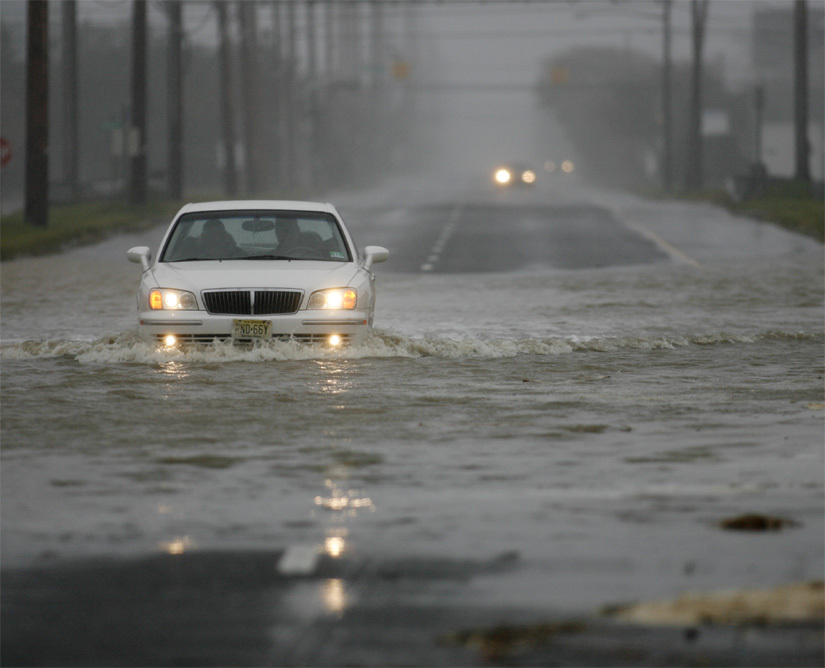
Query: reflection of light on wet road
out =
(177, 545)
(341, 501)
(347, 501)
(176, 370)
(334, 596)
(335, 543)
(335, 380)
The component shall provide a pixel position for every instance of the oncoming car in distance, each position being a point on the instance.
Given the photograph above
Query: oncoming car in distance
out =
(514, 175)
(251, 271)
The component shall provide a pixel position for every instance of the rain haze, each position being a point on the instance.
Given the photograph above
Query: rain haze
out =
(458, 86)
(581, 422)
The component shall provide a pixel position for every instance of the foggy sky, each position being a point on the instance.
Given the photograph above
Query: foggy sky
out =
(475, 66)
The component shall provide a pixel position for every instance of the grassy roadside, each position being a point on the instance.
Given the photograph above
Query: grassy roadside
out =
(79, 224)
(803, 215)
(85, 223)
(789, 205)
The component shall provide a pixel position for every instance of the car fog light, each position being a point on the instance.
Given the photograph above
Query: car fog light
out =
(169, 340)
(334, 340)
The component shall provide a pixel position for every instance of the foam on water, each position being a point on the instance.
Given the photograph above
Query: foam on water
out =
(127, 347)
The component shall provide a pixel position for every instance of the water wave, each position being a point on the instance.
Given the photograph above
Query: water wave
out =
(127, 347)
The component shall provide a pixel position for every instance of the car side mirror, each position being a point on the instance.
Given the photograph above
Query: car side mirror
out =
(140, 255)
(374, 254)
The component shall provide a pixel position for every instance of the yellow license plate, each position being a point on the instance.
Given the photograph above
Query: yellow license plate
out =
(251, 329)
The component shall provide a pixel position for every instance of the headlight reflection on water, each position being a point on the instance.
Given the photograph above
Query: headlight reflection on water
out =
(335, 378)
(177, 545)
(335, 543)
(334, 596)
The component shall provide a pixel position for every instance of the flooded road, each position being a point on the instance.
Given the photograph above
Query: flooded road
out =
(592, 424)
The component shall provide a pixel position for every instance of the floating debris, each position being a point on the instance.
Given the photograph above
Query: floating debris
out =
(203, 461)
(500, 641)
(797, 602)
(756, 522)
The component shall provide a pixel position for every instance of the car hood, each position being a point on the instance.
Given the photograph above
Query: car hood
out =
(212, 275)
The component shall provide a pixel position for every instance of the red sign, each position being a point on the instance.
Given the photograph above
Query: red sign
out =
(5, 151)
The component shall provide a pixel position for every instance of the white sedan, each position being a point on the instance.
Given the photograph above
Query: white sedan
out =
(254, 271)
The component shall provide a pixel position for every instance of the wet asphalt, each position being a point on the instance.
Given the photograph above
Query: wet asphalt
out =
(239, 609)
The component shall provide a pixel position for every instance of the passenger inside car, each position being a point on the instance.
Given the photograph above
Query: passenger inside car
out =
(215, 242)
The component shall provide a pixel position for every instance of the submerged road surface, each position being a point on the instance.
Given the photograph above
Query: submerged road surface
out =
(568, 397)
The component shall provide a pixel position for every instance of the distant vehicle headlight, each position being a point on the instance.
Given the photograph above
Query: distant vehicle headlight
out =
(503, 176)
(335, 298)
(567, 166)
(172, 300)
(528, 176)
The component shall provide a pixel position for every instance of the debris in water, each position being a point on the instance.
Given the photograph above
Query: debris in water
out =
(756, 522)
(797, 602)
(499, 641)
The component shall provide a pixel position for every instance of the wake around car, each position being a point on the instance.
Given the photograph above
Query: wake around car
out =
(256, 270)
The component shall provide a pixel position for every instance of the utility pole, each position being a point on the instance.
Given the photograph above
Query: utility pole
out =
(290, 101)
(330, 45)
(277, 81)
(37, 114)
(175, 99)
(667, 112)
(803, 149)
(376, 64)
(694, 177)
(230, 181)
(138, 171)
(312, 163)
(70, 96)
(759, 100)
(249, 94)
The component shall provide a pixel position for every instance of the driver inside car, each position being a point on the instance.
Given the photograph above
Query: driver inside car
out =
(286, 230)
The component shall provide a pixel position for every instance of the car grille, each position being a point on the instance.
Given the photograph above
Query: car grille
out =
(251, 302)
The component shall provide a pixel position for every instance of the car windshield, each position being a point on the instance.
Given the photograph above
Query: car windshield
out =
(256, 235)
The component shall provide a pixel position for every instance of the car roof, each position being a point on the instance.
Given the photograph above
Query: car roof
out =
(259, 204)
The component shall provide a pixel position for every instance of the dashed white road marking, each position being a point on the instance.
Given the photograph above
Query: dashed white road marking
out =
(298, 560)
(443, 238)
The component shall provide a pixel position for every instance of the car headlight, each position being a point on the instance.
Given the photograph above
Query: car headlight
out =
(172, 300)
(335, 298)
(502, 176)
(528, 176)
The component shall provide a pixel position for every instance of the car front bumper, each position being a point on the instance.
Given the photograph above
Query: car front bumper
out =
(320, 327)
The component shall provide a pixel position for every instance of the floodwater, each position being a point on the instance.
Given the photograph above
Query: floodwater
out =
(596, 425)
